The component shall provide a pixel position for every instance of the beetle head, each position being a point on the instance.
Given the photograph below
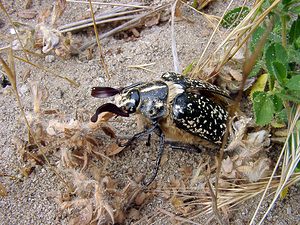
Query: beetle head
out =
(127, 101)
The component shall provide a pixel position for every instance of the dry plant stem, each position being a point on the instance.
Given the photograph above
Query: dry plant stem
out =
(13, 82)
(102, 61)
(210, 39)
(100, 19)
(251, 61)
(214, 202)
(181, 219)
(285, 176)
(118, 11)
(15, 29)
(131, 23)
(137, 5)
(176, 63)
(206, 16)
(142, 67)
(78, 27)
(250, 27)
(48, 71)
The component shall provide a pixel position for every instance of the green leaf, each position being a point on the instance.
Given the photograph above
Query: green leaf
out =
(263, 108)
(280, 72)
(277, 102)
(294, 83)
(256, 69)
(234, 17)
(259, 85)
(258, 33)
(284, 2)
(289, 96)
(295, 9)
(294, 33)
(275, 52)
(294, 55)
(282, 116)
(188, 68)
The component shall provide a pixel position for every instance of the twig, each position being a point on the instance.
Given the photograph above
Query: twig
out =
(102, 61)
(114, 15)
(131, 23)
(134, 4)
(214, 202)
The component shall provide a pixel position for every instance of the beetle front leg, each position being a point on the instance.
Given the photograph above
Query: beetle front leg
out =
(159, 156)
(139, 135)
(148, 140)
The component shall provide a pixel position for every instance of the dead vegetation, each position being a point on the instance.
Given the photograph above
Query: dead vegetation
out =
(70, 146)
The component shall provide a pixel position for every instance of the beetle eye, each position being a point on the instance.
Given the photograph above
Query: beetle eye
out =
(131, 101)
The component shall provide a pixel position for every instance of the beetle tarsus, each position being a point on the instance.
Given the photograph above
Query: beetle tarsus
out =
(184, 147)
(148, 140)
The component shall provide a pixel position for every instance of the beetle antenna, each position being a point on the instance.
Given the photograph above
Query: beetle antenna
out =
(104, 92)
(108, 107)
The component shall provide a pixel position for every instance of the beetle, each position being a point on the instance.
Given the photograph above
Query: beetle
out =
(176, 108)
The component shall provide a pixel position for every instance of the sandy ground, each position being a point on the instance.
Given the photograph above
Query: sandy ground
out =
(30, 201)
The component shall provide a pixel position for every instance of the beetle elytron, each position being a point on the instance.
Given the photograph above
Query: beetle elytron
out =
(176, 107)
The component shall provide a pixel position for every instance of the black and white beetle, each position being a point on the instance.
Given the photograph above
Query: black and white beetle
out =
(176, 107)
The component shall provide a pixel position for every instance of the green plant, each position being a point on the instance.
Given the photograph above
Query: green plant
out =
(281, 61)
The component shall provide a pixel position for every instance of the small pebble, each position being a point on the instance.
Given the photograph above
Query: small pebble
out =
(50, 58)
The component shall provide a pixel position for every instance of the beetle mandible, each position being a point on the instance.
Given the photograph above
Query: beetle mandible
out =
(175, 107)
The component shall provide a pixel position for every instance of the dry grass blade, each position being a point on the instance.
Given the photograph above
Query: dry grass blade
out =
(127, 25)
(15, 29)
(211, 37)
(135, 5)
(12, 78)
(229, 197)
(142, 67)
(290, 157)
(72, 82)
(176, 63)
(102, 61)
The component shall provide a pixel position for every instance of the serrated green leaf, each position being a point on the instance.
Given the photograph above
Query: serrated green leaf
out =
(188, 68)
(294, 83)
(284, 193)
(284, 2)
(282, 116)
(259, 85)
(289, 96)
(263, 108)
(257, 34)
(295, 9)
(279, 71)
(275, 52)
(294, 33)
(256, 69)
(278, 103)
(234, 17)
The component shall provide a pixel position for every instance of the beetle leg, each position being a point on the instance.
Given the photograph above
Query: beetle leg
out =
(159, 155)
(185, 147)
(148, 140)
(138, 135)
